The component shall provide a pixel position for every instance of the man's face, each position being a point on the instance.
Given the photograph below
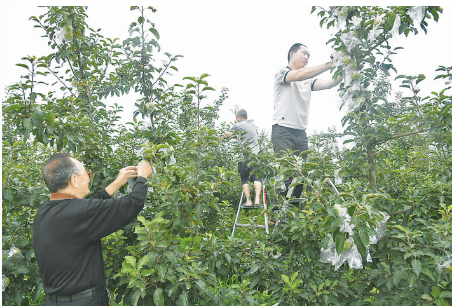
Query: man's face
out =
(300, 58)
(82, 179)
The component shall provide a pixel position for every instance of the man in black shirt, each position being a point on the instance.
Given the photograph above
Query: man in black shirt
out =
(67, 229)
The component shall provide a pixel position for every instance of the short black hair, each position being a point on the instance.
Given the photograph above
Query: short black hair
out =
(58, 171)
(294, 48)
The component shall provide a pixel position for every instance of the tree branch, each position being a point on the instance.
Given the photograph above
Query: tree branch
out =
(59, 79)
(401, 135)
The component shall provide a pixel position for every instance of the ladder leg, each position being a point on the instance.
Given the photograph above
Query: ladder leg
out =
(334, 188)
(264, 190)
(237, 216)
(289, 193)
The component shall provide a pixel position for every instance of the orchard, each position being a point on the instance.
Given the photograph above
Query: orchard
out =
(384, 239)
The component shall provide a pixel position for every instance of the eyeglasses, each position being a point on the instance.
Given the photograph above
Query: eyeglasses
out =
(88, 172)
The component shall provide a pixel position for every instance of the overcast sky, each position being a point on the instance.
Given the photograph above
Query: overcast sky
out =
(240, 45)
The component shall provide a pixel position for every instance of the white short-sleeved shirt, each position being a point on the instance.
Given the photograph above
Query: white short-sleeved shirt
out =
(291, 101)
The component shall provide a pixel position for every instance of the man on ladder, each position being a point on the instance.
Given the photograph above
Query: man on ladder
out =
(247, 130)
(250, 136)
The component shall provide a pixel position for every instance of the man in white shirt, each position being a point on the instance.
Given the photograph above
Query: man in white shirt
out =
(292, 99)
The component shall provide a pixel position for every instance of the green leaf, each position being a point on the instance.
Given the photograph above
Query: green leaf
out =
(363, 235)
(143, 261)
(171, 256)
(158, 297)
(172, 289)
(136, 296)
(38, 290)
(398, 274)
(39, 115)
(201, 285)
(128, 269)
(254, 268)
(340, 239)
(417, 266)
(155, 32)
(22, 65)
(147, 272)
(335, 223)
(445, 294)
(435, 292)
(183, 298)
(359, 244)
(27, 124)
(426, 297)
(141, 218)
(132, 260)
(285, 278)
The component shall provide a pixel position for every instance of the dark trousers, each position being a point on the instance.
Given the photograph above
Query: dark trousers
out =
(245, 173)
(284, 138)
(99, 298)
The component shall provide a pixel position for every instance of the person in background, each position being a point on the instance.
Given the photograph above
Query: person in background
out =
(248, 128)
(68, 228)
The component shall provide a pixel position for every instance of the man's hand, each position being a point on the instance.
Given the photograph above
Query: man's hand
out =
(144, 169)
(226, 135)
(124, 175)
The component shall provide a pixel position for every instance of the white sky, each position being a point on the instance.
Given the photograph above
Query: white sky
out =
(240, 44)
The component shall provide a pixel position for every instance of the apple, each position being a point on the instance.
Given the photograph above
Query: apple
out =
(343, 13)
(346, 60)
(449, 267)
(355, 74)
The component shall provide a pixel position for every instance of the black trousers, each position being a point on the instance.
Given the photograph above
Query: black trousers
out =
(284, 138)
(245, 173)
(99, 299)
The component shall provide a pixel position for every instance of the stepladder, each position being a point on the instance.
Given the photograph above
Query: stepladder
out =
(241, 206)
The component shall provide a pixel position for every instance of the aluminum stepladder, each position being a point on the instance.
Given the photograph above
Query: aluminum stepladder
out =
(236, 222)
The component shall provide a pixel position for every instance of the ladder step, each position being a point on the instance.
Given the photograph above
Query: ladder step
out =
(249, 225)
(251, 207)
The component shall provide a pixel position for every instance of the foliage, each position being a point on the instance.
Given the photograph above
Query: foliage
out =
(179, 251)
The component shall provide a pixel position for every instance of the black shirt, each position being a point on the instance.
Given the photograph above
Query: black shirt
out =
(67, 237)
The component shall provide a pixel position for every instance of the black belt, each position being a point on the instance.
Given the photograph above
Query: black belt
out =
(78, 296)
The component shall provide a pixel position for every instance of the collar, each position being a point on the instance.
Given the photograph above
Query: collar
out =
(58, 195)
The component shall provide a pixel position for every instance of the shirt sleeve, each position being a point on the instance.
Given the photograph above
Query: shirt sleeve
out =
(312, 84)
(105, 216)
(280, 77)
(235, 127)
(102, 194)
